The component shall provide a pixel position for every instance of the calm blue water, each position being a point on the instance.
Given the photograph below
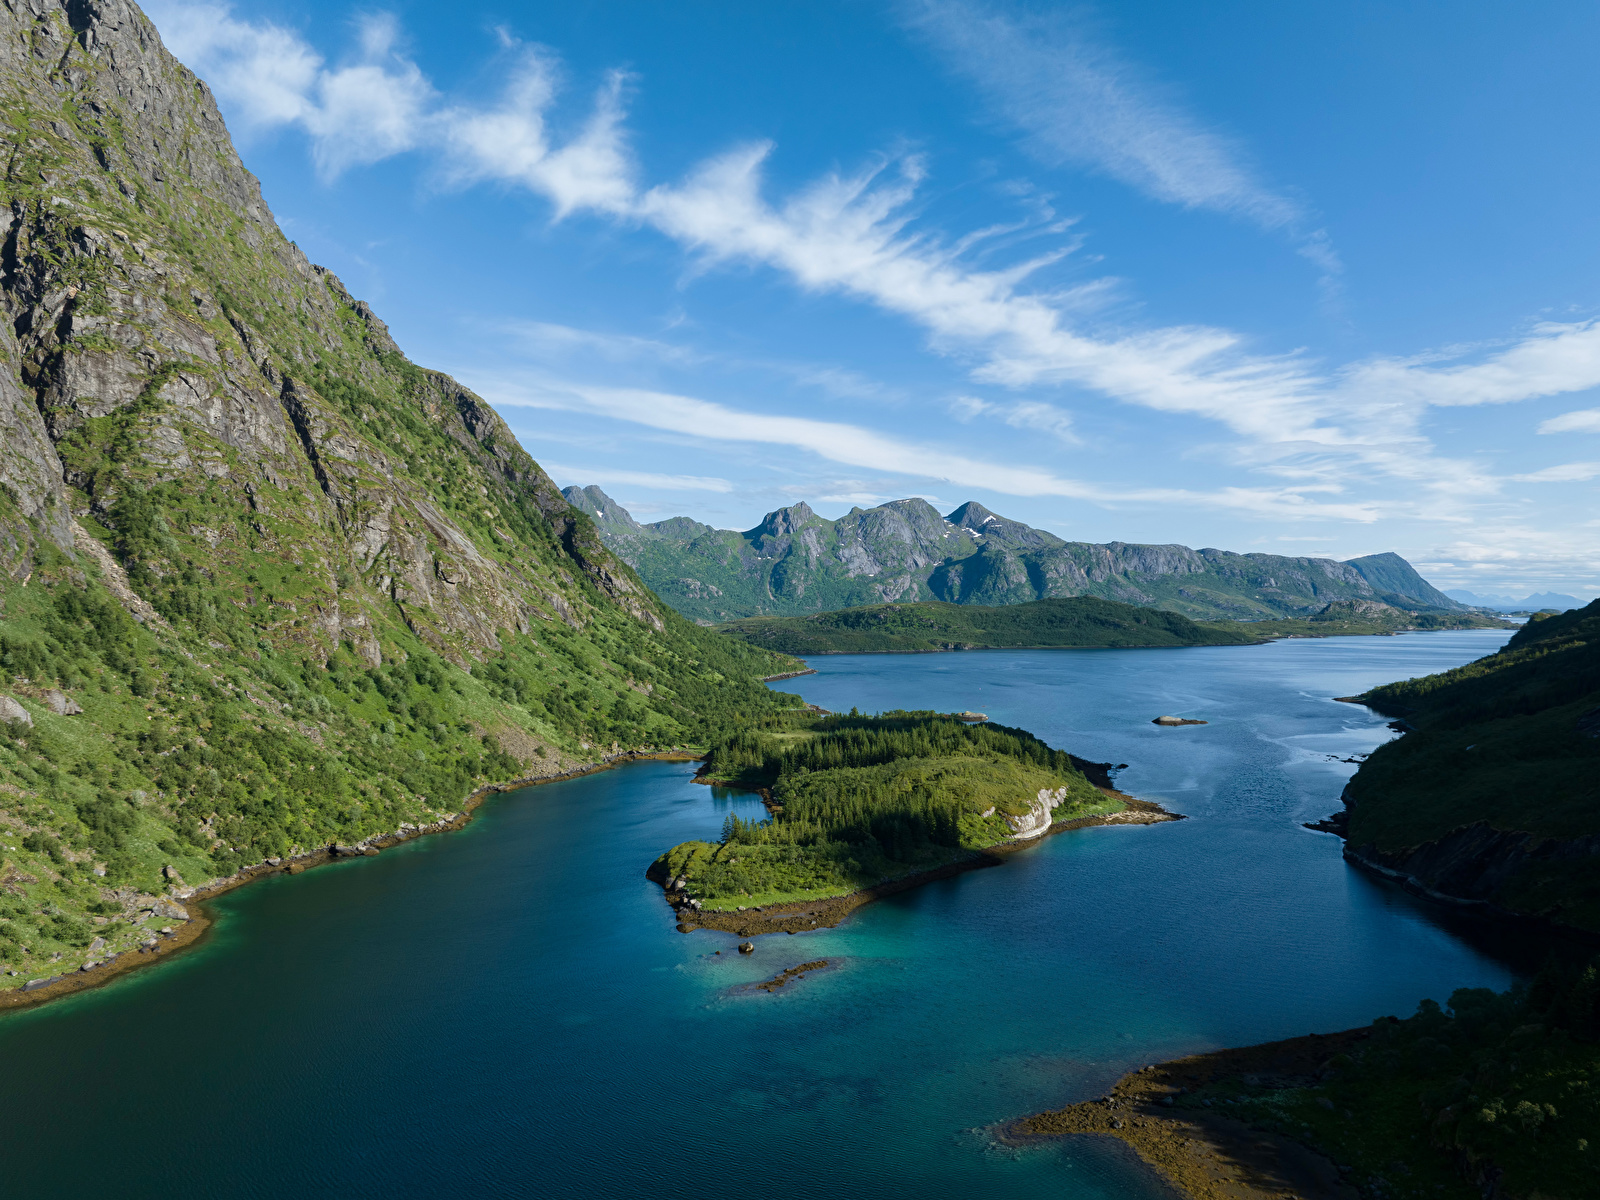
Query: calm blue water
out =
(507, 1011)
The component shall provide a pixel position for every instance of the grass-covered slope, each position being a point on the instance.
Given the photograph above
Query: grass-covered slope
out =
(859, 800)
(264, 583)
(1082, 621)
(1495, 792)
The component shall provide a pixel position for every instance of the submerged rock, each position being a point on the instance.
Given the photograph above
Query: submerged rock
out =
(1171, 721)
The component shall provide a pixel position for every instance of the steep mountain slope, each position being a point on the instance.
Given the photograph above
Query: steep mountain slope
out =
(266, 584)
(1494, 795)
(796, 562)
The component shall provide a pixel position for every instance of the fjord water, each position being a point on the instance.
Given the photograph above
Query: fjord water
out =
(508, 1011)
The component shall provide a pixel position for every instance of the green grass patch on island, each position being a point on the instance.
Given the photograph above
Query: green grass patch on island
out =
(857, 801)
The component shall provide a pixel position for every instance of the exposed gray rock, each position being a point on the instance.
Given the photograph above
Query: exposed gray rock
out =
(795, 562)
(13, 713)
(62, 704)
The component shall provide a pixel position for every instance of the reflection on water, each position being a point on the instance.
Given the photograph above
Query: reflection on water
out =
(508, 1010)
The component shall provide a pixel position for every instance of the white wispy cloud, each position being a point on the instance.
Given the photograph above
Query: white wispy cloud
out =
(1024, 414)
(369, 108)
(1586, 420)
(855, 446)
(551, 340)
(584, 476)
(510, 143)
(1564, 473)
(1078, 101)
(857, 235)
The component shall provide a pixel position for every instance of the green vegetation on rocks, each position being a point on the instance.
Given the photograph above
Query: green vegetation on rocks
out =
(266, 585)
(858, 800)
(795, 563)
(1494, 793)
(1083, 621)
(1358, 618)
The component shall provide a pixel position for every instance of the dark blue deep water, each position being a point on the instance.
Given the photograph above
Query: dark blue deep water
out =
(507, 1011)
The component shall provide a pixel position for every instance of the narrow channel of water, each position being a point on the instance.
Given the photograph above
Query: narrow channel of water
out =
(507, 1011)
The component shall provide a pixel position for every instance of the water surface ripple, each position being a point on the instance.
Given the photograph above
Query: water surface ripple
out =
(507, 1011)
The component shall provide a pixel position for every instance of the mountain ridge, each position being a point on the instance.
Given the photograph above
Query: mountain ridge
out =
(795, 562)
(267, 585)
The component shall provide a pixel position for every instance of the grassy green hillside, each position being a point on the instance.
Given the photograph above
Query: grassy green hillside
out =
(932, 625)
(265, 583)
(1506, 745)
(859, 800)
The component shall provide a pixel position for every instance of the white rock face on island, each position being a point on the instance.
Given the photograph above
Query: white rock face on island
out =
(1037, 819)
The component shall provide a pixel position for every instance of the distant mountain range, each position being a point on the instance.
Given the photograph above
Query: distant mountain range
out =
(1556, 600)
(796, 562)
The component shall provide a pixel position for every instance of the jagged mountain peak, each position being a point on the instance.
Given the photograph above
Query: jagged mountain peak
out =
(784, 521)
(992, 527)
(795, 562)
(609, 517)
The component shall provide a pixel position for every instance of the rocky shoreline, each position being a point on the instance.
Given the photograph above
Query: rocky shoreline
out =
(191, 923)
(1202, 1152)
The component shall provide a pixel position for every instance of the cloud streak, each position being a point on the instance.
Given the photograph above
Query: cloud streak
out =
(1077, 101)
(1585, 420)
(669, 483)
(856, 234)
(856, 446)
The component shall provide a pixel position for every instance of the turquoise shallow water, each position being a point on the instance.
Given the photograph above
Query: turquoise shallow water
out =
(507, 1011)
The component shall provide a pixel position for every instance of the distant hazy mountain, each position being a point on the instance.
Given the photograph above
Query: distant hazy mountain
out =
(796, 562)
(1556, 600)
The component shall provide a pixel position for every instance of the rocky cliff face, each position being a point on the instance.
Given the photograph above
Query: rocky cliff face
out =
(1036, 820)
(795, 563)
(301, 589)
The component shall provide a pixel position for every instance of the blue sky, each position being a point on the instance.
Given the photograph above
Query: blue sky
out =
(1304, 279)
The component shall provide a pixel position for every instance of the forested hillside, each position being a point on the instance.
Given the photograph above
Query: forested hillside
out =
(266, 584)
(1082, 621)
(1494, 794)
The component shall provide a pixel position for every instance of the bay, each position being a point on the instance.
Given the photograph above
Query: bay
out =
(508, 1010)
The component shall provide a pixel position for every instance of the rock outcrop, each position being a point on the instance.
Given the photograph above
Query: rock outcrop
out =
(314, 590)
(1036, 820)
